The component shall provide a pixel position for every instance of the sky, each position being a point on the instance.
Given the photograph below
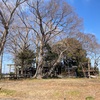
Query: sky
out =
(89, 11)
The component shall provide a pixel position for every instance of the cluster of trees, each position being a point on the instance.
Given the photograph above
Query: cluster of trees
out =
(44, 31)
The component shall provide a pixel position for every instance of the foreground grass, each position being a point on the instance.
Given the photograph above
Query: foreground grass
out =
(51, 89)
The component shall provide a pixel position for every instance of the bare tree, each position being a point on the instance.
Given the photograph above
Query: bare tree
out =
(18, 42)
(7, 10)
(6, 18)
(92, 47)
(48, 20)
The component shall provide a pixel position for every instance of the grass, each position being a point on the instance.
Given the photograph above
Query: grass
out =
(7, 92)
(89, 98)
(51, 89)
(74, 93)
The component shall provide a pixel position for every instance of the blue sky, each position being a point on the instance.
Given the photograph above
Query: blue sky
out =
(89, 11)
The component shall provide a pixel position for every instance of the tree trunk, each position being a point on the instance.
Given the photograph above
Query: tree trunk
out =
(82, 65)
(56, 63)
(22, 68)
(3, 41)
(37, 53)
(83, 72)
(38, 73)
(52, 69)
(39, 68)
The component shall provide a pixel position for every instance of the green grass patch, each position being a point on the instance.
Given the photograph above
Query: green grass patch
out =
(89, 98)
(57, 94)
(7, 92)
(74, 93)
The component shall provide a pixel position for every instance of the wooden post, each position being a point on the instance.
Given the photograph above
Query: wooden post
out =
(84, 72)
(88, 68)
(0, 64)
(16, 71)
(1, 59)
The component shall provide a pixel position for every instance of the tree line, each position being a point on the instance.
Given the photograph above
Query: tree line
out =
(44, 32)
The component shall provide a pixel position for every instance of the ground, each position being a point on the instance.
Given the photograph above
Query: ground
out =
(50, 89)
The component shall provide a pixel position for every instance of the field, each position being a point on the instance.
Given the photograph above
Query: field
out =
(50, 89)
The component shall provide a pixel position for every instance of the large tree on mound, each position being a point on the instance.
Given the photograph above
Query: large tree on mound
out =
(48, 20)
(39, 25)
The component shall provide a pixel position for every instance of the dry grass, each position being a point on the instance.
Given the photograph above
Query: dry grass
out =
(50, 89)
